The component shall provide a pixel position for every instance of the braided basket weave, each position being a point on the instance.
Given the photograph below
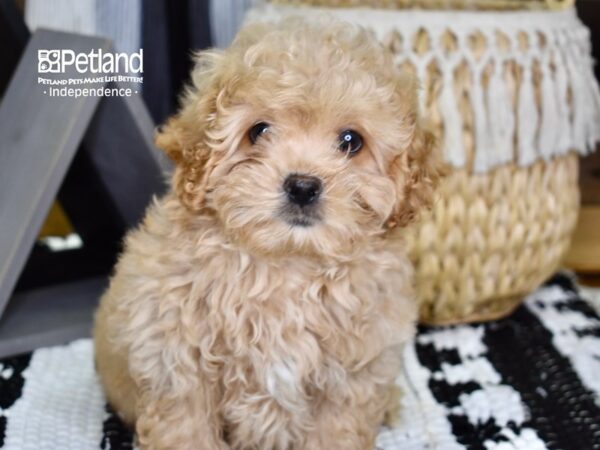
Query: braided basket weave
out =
(491, 239)
(513, 99)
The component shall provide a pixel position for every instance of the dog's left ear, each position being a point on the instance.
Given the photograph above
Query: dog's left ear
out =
(416, 172)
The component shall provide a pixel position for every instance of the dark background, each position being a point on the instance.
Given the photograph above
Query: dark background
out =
(589, 12)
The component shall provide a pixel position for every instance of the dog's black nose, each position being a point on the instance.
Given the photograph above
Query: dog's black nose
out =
(302, 189)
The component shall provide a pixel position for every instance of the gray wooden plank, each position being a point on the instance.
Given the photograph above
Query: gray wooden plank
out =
(39, 135)
(120, 144)
(144, 123)
(49, 316)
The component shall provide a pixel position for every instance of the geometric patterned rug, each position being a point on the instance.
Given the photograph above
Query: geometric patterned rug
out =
(527, 382)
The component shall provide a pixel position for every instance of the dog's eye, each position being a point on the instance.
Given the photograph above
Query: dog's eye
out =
(350, 142)
(257, 131)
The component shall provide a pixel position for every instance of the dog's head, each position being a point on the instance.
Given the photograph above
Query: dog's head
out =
(301, 137)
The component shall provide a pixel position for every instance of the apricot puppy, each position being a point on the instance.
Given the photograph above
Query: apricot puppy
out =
(262, 303)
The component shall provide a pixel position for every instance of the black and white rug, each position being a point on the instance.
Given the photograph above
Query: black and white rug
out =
(528, 382)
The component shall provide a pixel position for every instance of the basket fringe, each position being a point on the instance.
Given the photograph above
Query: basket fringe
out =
(549, 130)
(453, 140)
(527, 119)
(482, 159)
(529, 101)
(501, 118)
(565, 134)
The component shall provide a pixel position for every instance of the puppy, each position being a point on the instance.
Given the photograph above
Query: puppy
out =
(262, 303)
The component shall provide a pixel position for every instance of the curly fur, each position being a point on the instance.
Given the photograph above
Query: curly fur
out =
(224, 327)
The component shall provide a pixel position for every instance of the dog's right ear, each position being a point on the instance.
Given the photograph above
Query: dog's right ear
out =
(184, 137)
(170, 138)
(184, 141)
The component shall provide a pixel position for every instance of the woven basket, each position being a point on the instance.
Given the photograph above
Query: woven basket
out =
(512, 105)
(491, 239)
(438, 4)
(493, 236)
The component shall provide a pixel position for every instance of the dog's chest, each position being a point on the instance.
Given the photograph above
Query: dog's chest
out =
(290, 333)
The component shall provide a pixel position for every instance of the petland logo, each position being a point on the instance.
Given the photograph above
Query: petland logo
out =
(95, 62)
(65, 73)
